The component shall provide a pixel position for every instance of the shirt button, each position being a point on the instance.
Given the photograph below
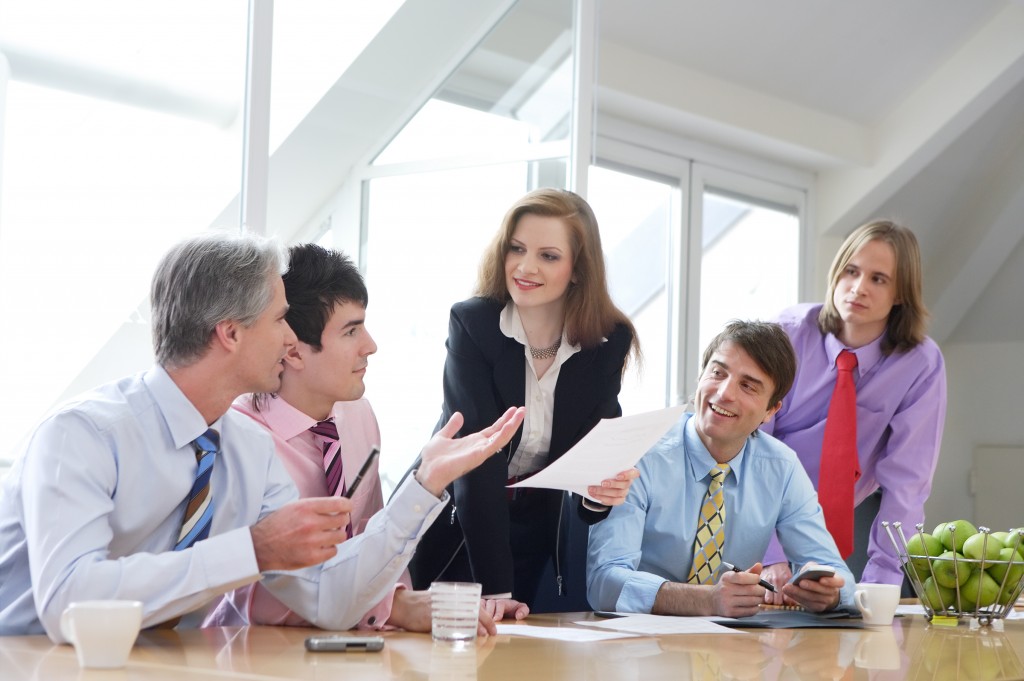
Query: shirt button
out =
(538, 397)
(418, 509)
(371, 620)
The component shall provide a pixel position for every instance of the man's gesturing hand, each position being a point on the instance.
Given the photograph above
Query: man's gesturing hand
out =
(444, 459)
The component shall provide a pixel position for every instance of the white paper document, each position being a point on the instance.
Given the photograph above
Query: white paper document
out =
(560, 633)
(660, 625)
(613, 446)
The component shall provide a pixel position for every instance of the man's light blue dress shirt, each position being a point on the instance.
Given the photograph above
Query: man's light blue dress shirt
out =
(93, 506)
(648, 540)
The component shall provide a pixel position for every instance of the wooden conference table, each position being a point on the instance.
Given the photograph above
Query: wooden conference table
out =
(911, 649)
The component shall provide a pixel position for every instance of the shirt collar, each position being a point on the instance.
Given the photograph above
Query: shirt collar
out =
(699, 459)
(510, 324)
(284, 419)
(867, 355)
(184, 422)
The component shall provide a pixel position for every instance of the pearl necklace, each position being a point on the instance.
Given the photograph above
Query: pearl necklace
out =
(548, 352)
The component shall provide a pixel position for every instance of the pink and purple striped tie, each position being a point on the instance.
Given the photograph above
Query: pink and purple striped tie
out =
(328, 433)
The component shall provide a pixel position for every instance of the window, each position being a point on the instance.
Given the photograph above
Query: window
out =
(636, 216)
(497, 128)
(116, 143)
(745, 246)
(120, 133)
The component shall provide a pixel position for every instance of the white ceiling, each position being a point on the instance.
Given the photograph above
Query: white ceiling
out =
(856, 60)
(912, 110)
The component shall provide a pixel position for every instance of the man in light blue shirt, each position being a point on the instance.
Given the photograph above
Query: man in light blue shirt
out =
(639, 559)
(95, 502)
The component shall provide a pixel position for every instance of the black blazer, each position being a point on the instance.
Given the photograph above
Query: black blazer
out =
(485, 374)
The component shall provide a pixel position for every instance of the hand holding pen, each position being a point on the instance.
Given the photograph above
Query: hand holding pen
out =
(732, 568)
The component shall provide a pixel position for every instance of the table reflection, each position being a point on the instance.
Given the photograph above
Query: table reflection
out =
(910, 650)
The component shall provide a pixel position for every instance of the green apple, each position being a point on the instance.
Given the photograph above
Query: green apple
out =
(936, 597)
(1014, 565)
(951, 569)
(1010, 539)
(978, 591)
(919, 548)
(981, 546)
(954, 533)
(1006, 594)
(1001, 536)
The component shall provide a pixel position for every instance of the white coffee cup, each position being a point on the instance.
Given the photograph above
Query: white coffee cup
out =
(877, 602)
(103, 632)
(455, 611)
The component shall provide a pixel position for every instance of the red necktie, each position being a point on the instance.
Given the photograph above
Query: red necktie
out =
(840, 466)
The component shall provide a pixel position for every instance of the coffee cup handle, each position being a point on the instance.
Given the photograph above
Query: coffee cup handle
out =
(67, 626)
(859, 598)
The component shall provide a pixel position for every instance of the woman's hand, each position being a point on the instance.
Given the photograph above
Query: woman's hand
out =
(612, 492)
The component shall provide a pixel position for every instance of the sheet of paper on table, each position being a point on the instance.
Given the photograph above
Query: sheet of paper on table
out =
(614, 445)
(560, 633)
(658, 625)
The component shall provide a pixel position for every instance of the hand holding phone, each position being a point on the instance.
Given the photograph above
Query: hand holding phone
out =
(344, 644)
(815, 573)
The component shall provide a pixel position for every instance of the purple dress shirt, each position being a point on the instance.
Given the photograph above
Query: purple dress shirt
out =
(901, 408)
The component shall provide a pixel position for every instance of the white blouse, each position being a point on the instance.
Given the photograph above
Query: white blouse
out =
(532, 453)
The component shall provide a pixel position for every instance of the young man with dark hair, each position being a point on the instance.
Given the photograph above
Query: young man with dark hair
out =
(323, 430)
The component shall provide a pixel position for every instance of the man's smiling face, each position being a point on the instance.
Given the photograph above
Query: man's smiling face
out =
(731, 401)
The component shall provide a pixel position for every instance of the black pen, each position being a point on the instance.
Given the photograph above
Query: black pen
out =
(374, 453)
(733, 568)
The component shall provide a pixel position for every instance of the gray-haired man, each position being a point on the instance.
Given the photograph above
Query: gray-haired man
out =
(109, 499)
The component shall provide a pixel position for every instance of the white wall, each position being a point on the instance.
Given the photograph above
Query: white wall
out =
(984, 409)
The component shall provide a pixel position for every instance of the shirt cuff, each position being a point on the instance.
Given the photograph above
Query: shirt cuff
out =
(444, 492)
(377, 618)
(594, 506)
(420, 507)
(639, 592)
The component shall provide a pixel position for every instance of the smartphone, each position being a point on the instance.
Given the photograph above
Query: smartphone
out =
(344, 644)
(813, 573)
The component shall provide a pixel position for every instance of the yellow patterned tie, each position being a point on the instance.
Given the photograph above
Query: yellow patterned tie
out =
(710, 540)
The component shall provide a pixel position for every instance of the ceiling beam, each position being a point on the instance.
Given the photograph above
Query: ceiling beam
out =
(698, 106)
(370, 103)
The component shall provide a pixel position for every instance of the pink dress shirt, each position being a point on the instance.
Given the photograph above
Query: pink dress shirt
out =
(302, 457)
